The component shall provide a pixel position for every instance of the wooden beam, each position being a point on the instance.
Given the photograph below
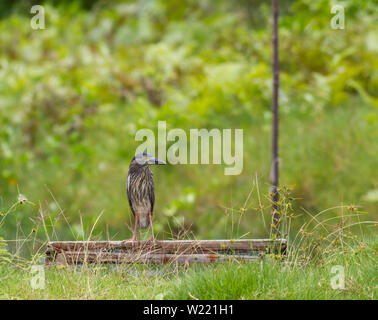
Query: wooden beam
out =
(172, 246)
(67, 258)
(181, 251)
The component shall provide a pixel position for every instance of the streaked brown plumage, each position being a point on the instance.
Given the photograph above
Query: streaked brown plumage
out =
(141, 190)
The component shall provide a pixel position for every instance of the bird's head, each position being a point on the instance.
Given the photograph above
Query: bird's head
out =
(145, 159)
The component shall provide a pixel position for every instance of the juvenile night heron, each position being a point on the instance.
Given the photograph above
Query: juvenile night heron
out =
(141, 190)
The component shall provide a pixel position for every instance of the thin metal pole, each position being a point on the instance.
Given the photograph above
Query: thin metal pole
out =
(276, 72)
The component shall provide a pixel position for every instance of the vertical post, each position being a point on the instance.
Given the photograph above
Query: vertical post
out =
(274, 169)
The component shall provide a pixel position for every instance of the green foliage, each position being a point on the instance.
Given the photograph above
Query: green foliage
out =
(4, 253)
(73, 95)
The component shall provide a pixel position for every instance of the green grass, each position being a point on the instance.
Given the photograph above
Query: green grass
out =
(276, 281)
(339, 236)
(267, 279)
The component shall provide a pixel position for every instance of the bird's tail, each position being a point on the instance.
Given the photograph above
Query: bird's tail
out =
(144, 222)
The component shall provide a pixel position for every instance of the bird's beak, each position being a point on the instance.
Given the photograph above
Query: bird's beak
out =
(156, 161)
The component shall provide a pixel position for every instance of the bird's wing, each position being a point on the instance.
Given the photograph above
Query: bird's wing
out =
(152, 196)
(128, 194)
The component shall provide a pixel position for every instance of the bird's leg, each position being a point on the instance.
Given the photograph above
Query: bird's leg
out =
(152, 239)
(135, 228)
(134, 238)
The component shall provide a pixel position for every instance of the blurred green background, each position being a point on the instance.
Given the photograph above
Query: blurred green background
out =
(73, 95)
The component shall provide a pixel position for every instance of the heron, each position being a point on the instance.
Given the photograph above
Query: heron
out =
(141, 191)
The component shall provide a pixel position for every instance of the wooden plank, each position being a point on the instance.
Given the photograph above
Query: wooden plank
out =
(172, 246)
(166, 251)
(66, 258)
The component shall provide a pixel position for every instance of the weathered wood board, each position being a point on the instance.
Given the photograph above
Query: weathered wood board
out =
(166, 251)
